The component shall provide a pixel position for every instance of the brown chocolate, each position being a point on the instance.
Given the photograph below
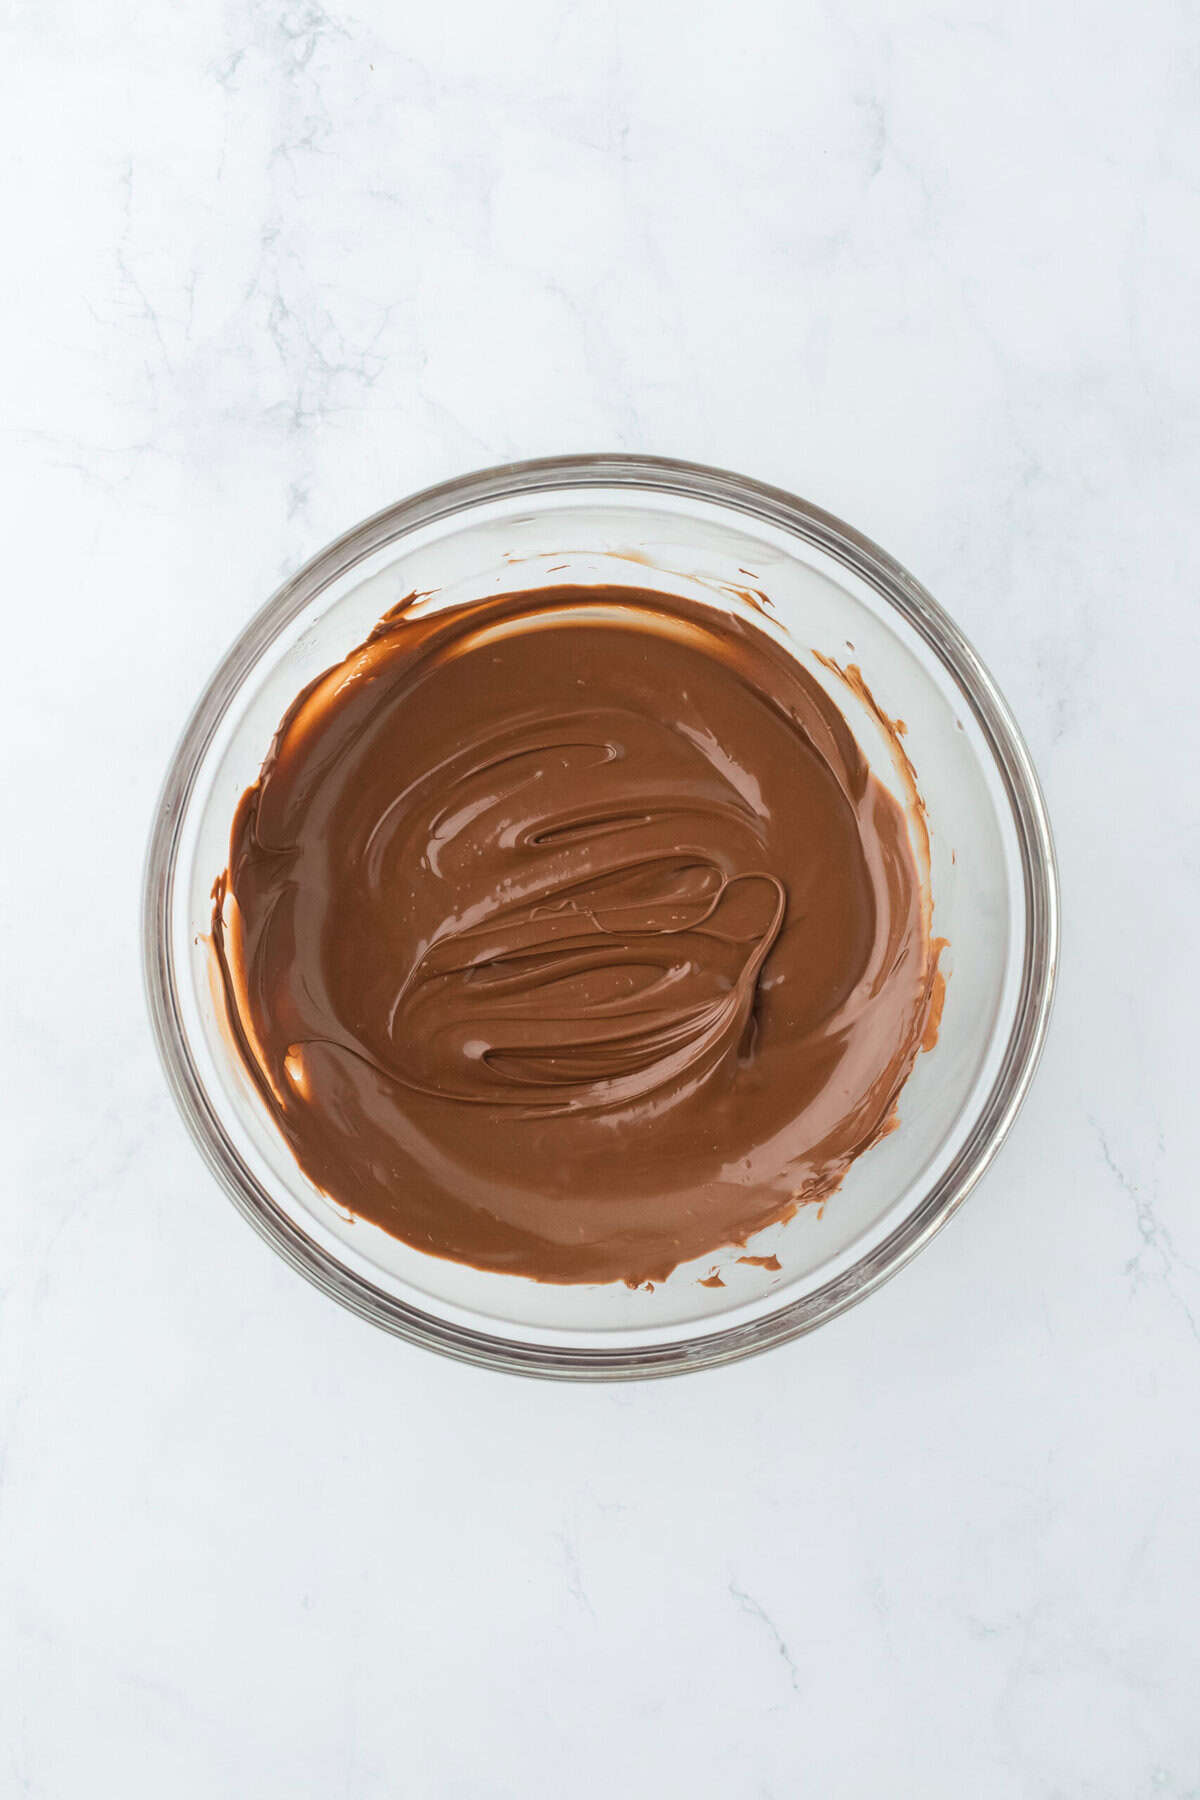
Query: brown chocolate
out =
(567, 933)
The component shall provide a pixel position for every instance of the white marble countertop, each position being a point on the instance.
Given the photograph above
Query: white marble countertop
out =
(273, 266)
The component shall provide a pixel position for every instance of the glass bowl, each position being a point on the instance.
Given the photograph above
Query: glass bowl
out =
(641, 521)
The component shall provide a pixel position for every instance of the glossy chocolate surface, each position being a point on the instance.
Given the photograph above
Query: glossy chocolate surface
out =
(567, 933)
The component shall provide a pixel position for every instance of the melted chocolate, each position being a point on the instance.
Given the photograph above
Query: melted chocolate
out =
(567, 933)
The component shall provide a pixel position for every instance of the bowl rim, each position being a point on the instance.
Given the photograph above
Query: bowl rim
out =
(755, 499)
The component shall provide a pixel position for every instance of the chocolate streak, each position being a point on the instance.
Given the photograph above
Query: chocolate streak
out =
(566, 933)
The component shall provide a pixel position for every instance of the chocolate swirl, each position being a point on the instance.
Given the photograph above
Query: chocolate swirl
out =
(567, 933)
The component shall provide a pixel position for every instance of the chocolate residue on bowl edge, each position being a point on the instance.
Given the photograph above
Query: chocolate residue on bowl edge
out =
(567, 933)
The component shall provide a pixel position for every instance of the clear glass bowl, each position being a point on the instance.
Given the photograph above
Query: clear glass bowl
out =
(650, 522)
